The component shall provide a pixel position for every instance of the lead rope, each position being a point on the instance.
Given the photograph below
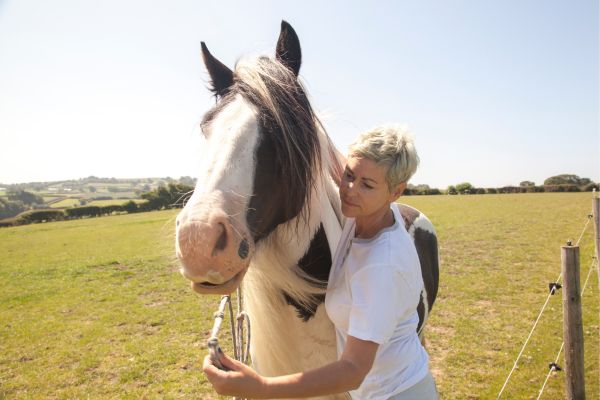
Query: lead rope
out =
(240, 352)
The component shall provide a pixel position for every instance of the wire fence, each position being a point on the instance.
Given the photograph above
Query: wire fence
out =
(554, 366)
(553, 287)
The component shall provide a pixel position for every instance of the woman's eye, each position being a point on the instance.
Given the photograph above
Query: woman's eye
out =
(367, 186)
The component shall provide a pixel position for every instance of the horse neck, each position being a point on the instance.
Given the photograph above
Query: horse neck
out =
(277, 255)
(279, 337)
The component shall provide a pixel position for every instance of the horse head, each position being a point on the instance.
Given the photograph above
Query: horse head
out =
(260, 158)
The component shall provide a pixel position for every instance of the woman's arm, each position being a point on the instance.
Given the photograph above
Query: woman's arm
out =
(340, 376)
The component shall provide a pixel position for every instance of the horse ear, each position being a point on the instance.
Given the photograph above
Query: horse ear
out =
(288, 48)
(221, 76)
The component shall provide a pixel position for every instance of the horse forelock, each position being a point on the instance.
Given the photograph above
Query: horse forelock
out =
(289, 135)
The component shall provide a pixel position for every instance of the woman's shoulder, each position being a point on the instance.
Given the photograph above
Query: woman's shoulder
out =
(394, 240)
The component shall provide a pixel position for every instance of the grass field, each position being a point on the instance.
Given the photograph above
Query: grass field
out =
(67, 202)
(114, 202)
(74, 202)
(51, 199)
(96, 308)
(498, 253)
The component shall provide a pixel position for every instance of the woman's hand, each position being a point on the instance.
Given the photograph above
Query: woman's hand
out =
(240, 380)
(345, 374)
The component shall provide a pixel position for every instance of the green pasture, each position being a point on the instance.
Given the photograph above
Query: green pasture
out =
(126, 196)
(65, 203)
(49, 199)
(75, 202)
(96, 308)
(498, 254)
(114, 202)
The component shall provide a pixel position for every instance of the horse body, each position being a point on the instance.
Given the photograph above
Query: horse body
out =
(291, 332)
(266, 214)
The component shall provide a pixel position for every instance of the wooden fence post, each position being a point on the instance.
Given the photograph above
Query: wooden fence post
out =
(596, 213)
(572, 323)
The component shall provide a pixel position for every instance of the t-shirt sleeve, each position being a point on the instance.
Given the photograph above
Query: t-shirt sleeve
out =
(381, 298)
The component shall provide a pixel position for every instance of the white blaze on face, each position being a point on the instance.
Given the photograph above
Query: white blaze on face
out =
(212, 226)
(228, 158)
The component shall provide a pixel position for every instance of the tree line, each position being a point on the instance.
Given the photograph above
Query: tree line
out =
(558, 183)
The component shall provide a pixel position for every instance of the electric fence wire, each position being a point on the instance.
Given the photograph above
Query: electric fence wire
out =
(552, 291)
(528, 337)
(553, 366)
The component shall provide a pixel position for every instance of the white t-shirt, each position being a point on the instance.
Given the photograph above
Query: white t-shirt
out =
(373, 292)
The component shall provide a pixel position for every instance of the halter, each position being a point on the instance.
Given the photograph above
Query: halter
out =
(240, 352)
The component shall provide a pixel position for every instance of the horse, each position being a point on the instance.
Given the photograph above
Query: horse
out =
(265, 212)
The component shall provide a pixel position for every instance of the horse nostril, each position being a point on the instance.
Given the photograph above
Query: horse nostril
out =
(243, 249)
(221, 241)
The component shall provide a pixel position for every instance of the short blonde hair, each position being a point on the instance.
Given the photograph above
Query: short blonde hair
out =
(392, 146)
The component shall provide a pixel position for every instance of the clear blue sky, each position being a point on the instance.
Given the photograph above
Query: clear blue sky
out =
(496, 92)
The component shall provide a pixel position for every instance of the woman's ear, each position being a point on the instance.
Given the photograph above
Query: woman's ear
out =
(398, 190)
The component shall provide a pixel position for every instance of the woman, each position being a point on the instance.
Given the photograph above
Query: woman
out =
(372, 295)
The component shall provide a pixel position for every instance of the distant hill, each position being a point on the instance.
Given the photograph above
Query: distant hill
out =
(80, 192)
(93, 184)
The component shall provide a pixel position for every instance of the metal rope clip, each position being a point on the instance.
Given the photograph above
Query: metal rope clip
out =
(240, 352)
(213, 342)
(554, 367)
(554, 286)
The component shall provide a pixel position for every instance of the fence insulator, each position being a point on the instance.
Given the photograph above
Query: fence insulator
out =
(554, 367)
(554, 286)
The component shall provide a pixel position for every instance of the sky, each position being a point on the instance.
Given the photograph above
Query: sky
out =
(495, 92)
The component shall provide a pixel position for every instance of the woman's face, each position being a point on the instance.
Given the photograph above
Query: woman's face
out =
(364, 191)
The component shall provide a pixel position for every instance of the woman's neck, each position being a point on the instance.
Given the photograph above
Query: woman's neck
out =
(369, 226)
